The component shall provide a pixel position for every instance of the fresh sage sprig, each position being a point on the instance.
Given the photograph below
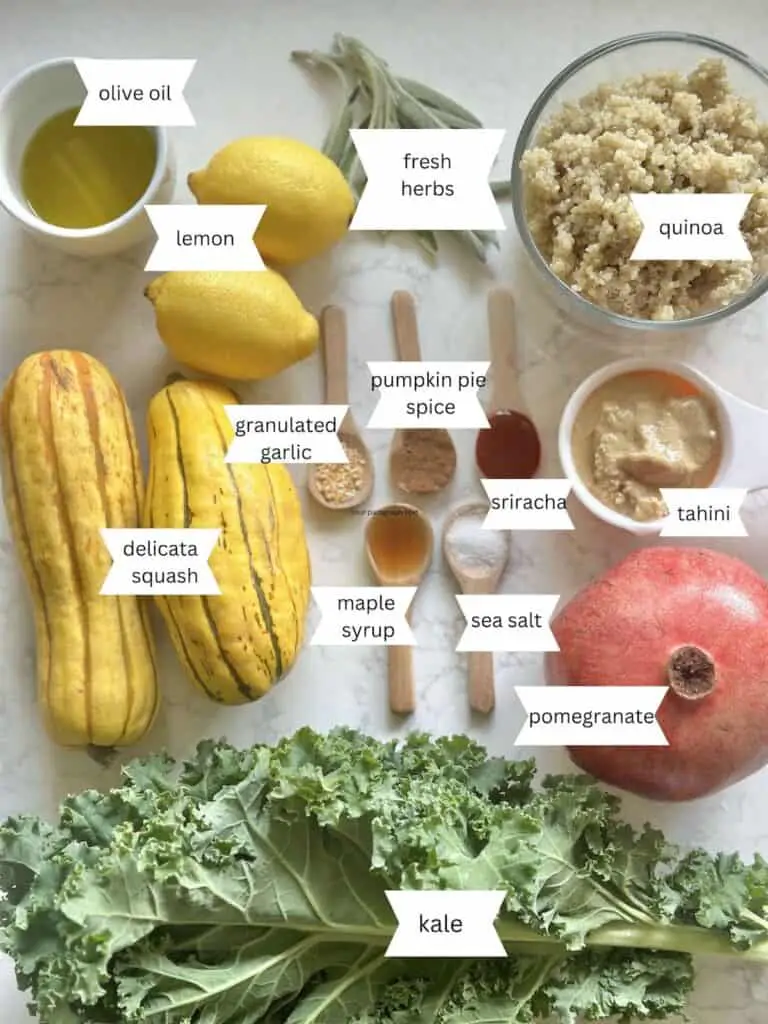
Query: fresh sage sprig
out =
(376, 98)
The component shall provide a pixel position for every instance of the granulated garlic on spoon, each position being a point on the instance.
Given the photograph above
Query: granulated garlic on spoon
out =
(337, 485)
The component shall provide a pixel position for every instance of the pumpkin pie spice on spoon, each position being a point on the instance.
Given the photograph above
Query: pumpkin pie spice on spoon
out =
(509, 448)
(421, 461)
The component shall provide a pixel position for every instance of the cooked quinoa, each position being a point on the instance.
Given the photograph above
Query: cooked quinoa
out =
(656, 133)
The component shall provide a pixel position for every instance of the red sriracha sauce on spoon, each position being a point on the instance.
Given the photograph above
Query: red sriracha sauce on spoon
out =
(509, 448)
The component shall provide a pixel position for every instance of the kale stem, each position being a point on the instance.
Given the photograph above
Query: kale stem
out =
(673, 938)
(537, 978)
(750, 915)
(624, 902)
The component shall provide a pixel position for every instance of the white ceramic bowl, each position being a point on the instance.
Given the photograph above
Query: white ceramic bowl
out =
(723, 403)
(30, 99)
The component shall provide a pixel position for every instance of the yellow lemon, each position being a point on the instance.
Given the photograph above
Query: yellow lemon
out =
(242, 325)
(309, 203)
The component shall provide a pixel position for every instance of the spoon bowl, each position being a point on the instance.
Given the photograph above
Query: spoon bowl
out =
(413, 448)
(479, 575)
(361, 473)
(333, 485)
(399, 543)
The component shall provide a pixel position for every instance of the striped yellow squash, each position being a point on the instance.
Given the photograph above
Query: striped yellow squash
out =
(234, 645)
(70, 467)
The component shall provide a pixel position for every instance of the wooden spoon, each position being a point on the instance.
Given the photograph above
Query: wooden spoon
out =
(476, 580)
(508, 449)
(399, 541)
(333, 328)
(421, 461)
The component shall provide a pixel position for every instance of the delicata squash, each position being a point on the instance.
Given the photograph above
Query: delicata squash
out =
(234, 645)
(70, 466)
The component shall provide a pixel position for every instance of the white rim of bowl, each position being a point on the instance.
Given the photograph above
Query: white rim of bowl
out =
(24, 214)
(523, 143)
(595, 380)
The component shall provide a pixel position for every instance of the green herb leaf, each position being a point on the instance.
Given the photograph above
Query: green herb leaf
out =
(442, 104)
(501, 189)
(382, 101)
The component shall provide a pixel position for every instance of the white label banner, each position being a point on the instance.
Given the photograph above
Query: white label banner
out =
(703, 512)
(139, 92)
(527, 504)
(507, 622)
(445, 923)
(434, 394)
(204, 237)
(591, 716)
(363, 616)
(430, 179)
(286, 433)
(691, 226)
(160, 561)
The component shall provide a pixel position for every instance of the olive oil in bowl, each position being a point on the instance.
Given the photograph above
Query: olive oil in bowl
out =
(86, 177)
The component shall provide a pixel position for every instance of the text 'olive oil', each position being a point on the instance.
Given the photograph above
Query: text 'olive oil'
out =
(85, 177)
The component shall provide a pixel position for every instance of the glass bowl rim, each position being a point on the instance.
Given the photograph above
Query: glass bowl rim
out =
(588, 308)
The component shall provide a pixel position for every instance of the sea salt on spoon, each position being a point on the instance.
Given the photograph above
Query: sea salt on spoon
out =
(477, 558)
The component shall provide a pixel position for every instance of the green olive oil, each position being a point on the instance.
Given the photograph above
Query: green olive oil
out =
(85, 177)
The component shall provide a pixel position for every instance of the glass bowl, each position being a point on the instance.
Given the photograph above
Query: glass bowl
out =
(613, 62)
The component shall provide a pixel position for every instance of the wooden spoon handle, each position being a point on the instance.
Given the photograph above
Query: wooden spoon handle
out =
(402, 694)
(406, 327)
(333, 327)
(481, 688)
(503, 336)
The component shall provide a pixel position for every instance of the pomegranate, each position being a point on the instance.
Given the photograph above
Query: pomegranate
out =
(691, 619)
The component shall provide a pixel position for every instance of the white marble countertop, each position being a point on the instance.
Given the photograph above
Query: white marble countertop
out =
(494, 57)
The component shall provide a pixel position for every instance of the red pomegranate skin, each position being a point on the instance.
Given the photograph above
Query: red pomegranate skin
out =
(621, 629)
